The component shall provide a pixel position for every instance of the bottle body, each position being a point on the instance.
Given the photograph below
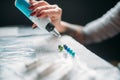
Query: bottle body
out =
(44, 23)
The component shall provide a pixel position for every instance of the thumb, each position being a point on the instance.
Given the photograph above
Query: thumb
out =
(34, 26)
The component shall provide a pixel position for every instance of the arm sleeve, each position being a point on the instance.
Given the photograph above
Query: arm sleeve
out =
(103, 28)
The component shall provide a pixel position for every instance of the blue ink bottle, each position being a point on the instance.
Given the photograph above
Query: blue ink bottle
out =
(44, 24)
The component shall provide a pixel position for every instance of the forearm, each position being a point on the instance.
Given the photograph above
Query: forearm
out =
(103, 28)
(73, 30)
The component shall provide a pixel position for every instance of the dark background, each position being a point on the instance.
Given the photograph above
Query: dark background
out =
(74, 11)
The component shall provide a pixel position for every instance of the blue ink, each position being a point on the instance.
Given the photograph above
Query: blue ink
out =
(69, 50)
(65, 46)
(23, 6)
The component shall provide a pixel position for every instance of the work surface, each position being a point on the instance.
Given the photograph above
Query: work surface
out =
(26, 54)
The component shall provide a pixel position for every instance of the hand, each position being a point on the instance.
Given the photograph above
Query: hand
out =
(42, 9)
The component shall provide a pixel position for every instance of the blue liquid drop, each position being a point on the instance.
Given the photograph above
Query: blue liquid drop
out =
(71, 51)
(73, 54)
(68, 49)
(65, 46)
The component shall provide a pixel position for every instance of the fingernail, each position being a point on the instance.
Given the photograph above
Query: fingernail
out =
(39, 15)
(31, 7)
(34, 27)
(33, 13)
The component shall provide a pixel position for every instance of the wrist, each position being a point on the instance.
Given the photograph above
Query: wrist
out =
(60, 26)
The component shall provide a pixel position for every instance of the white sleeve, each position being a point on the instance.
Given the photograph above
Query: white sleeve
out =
(103, 28)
